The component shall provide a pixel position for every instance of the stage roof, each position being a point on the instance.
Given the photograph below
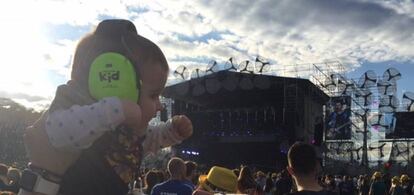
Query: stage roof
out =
(228, 89)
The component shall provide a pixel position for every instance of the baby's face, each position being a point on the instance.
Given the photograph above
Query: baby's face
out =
(153, 81)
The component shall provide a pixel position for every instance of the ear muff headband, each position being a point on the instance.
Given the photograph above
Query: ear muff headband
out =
(113, 75)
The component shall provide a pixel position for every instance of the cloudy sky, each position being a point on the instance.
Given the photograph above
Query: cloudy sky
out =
(37, 37)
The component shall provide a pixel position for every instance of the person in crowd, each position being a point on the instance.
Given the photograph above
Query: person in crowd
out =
(3, 176)
(246, 183)
(260, 179)
(346, 186)
(283, 183)
(161, 176)
(396, 188)
(406, 184)
(190, 173)
(218, 180)
(151, 179)
(363, 185)
(330, 183)
(338, 181)
(175, 185)
(303, 165)
(377, 185)
(13, 175)
(6, 185)
(110, 128)
(269, 188)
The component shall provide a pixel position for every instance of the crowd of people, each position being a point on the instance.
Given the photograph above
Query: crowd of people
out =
(303, 175)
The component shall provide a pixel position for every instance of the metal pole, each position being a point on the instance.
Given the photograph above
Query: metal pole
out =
(365, 144)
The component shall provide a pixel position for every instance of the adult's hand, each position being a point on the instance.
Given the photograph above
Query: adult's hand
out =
(42, 154)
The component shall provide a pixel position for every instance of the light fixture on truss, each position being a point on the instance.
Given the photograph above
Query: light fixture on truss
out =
(330, 82)
(231, 65)
(388, 103)
(246, 67)
(380, 148)
(377, 121)
(345, 88)
(391, 74)
(399, 149)
(212, 67)
(357, 151)
(387, 87)
(182, 73)
(337, 147)
(408, 101)
(367, 80)
(262, 66)
(364, 96)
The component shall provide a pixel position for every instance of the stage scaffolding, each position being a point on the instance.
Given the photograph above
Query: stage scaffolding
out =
(366, 148)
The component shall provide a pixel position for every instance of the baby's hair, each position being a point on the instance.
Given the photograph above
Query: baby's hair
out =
(120, 36)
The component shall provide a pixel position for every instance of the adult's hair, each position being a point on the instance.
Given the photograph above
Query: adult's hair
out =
(190, 168)
(160, 176)
(395, 180)
(245, 180)
(302, 158)
(118, 36)
(269, 184)
(176, 167)
(376, 176)
(151, 179)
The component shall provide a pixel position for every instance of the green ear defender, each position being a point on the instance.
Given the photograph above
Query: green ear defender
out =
(113, 75)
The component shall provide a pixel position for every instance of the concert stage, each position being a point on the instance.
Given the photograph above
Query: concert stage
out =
(243, 118)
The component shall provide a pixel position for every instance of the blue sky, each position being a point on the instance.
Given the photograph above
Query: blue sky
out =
(38, 39)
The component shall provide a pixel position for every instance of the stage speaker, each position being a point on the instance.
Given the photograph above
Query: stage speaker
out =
(404, 127)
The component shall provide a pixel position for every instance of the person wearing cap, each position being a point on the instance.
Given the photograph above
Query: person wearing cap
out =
(93, 144)
(175, 185)
(218, 180)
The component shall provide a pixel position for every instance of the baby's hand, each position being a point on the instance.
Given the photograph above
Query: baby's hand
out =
(132, 113)
(182, 126)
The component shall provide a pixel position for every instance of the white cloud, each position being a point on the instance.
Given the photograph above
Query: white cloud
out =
(286, 32)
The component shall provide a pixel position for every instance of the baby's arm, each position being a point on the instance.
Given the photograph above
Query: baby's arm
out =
(78, 127)
(167, 134)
